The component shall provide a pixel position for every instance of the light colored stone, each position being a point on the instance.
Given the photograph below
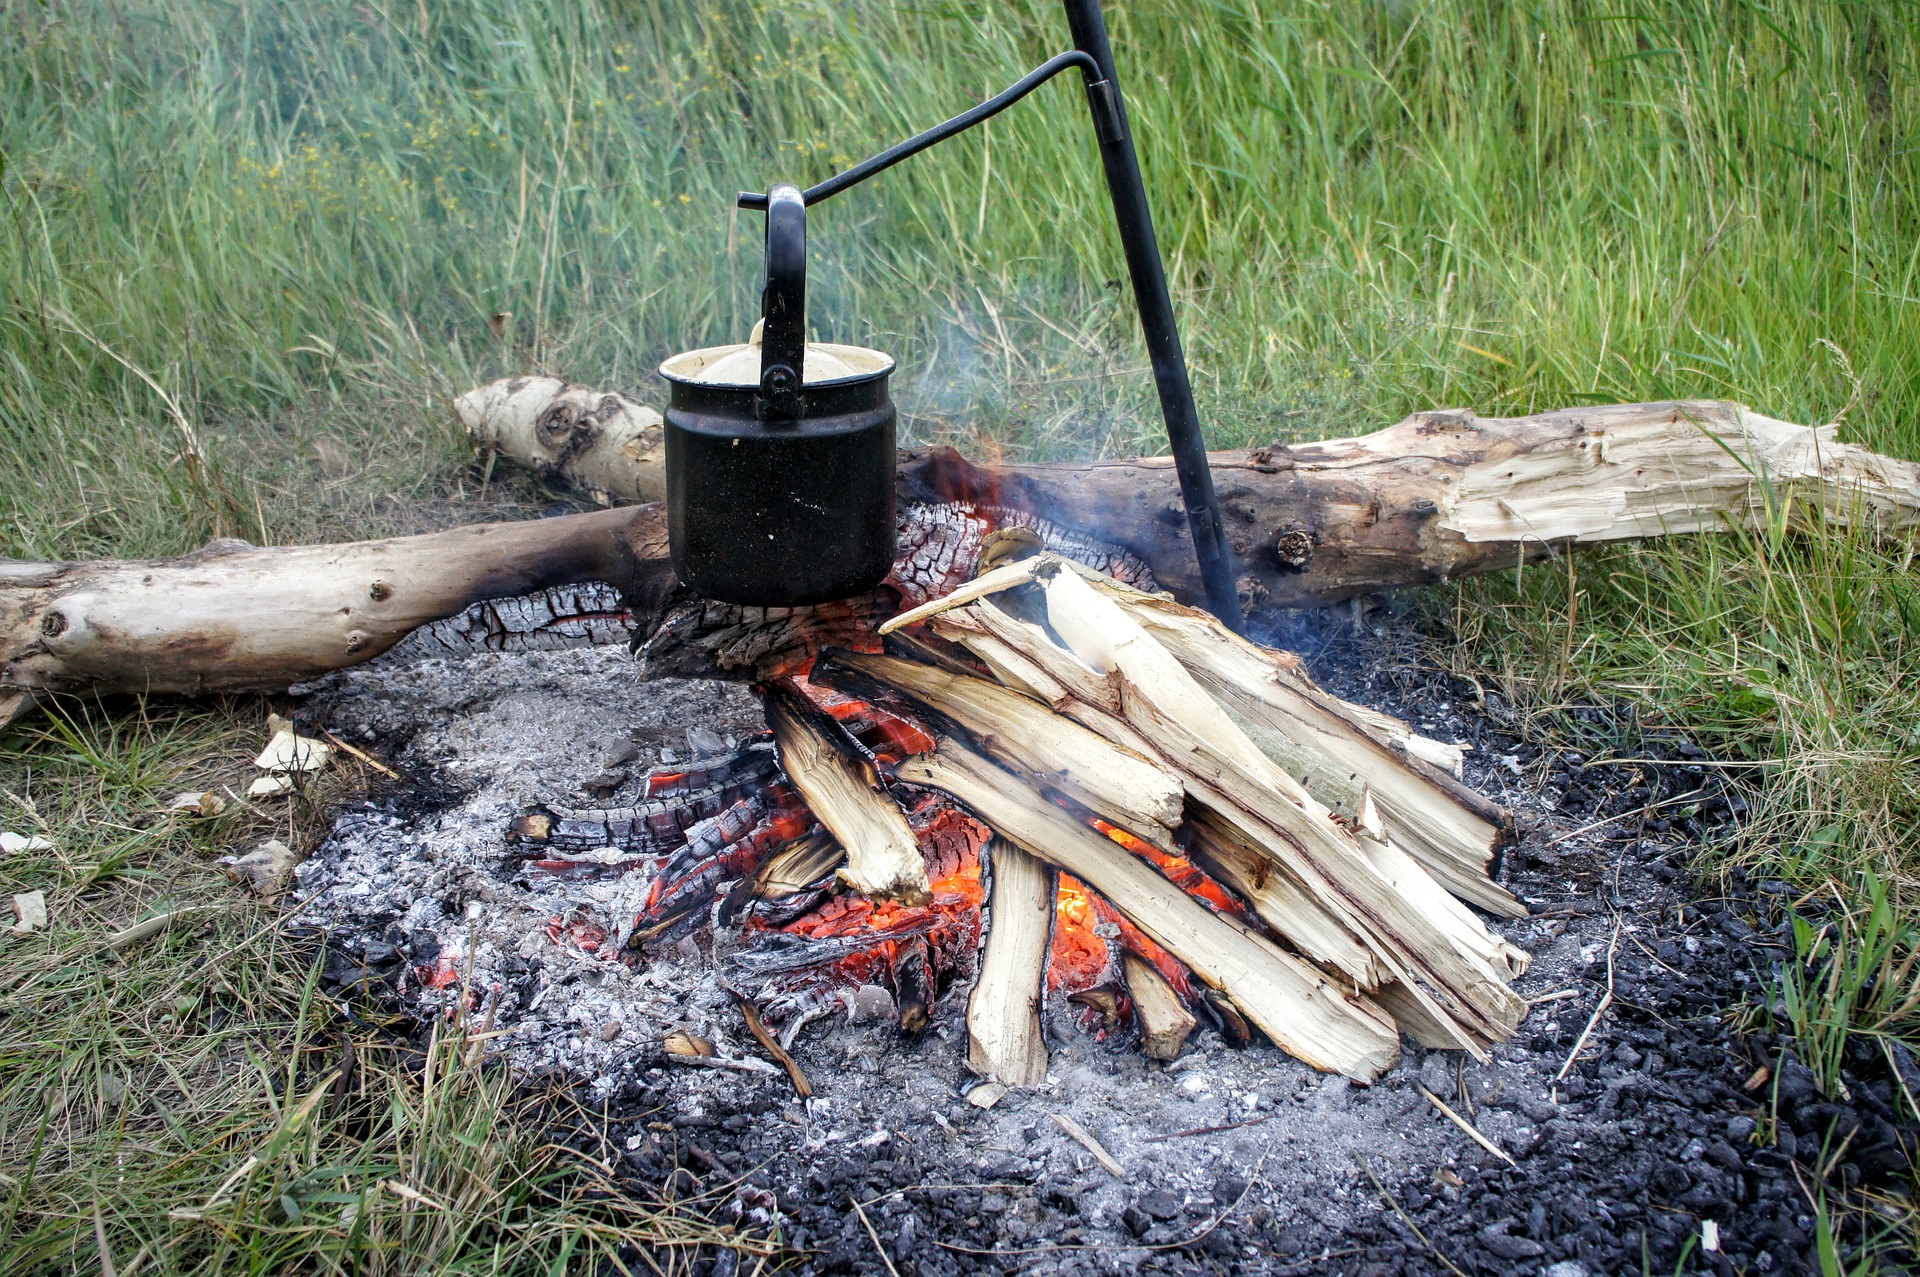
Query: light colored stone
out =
(30, 910)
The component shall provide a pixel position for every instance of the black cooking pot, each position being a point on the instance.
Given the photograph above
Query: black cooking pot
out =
(780, 459)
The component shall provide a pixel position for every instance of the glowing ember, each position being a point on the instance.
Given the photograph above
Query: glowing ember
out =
(1182, 872)
(1080, 957)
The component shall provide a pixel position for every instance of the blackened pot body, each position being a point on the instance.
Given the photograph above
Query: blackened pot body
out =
(781, 513)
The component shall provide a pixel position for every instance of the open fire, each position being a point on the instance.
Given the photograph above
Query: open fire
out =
(931, 819)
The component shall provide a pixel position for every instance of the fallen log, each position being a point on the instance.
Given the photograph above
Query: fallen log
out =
(1441, 495)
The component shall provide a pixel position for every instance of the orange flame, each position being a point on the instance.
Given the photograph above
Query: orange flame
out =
(1079, 957)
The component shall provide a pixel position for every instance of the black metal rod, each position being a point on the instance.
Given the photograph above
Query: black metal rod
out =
(1128, 193)
(940, 132)
(1142, 248)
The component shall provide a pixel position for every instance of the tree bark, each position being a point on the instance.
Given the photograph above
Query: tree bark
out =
(1441, 495)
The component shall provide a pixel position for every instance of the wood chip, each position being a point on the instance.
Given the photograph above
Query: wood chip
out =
(155, 925)
(771, 1045)
(986, 1095)
(204, 803)
(264, 870)
(287, 751)
(1085, 1139)
(364, 757)
(686, 1045)
(271, 786)
(13, 843)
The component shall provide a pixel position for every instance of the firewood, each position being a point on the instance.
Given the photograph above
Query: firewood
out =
(1334, 750)
(1304, 1011)
(606, 444)
(1112, 671)
(1443, 494)
(1018, 732)
(1164, 1020)
(796, 867)
(1282, 903)
(1437, 954)
(1004, 1039)
(845, 794)
(233, 617)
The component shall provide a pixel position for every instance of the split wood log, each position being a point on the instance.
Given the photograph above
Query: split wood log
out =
(1452, 830)
(1115, 678)
(1291, 1002)
(1164, 1019)
(1004, 1039)
(797, 867)
(1025, 736)
(844, 794)
(1441, 495)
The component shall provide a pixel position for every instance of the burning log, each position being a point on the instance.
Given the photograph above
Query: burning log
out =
(1302, 1010)
(1114, 677)
(1025, 736)
(1337, 751)
(1441, 495)
(1004, 1039)
(845, 793)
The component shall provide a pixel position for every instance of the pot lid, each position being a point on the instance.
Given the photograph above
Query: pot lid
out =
(739, 364)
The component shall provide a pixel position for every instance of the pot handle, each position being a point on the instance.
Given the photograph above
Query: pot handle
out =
(783, 308)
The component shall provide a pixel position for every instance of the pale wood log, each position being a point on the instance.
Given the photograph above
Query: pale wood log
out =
(1004, 1038)
(844, 794)
(1020, 733)
(1300, 1008)
(1445, 493)
(1164, 1019)
(233, 617)
(1333, 750)
(606, 444)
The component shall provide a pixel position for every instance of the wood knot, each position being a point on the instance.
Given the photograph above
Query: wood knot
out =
(379, 591)
(53, 624)
(1294, 550)
(357, 641)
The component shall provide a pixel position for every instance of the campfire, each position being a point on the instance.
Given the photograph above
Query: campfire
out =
(1048, 783)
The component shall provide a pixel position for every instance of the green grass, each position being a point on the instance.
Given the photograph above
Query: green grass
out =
(250, 250)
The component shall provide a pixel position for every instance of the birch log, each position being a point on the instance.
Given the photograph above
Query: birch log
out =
(1441, 495)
